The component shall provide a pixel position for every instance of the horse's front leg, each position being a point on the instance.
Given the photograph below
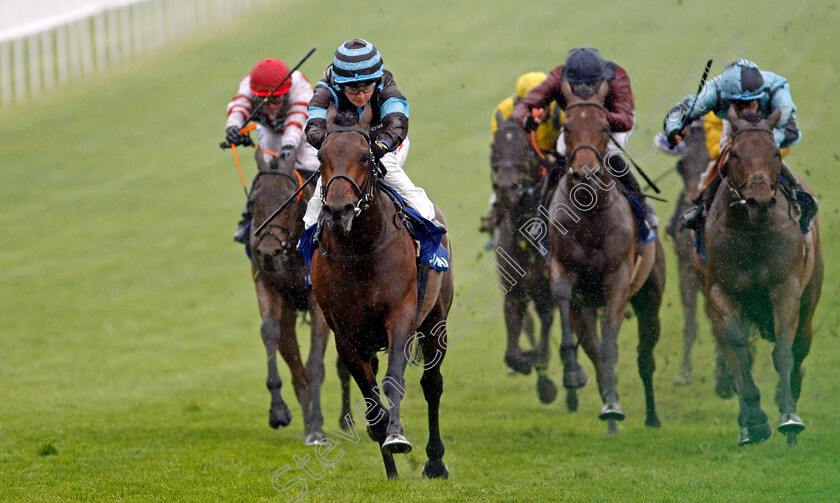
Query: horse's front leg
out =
(616, 287)
(786, 302)
(546, 389)
(319, 333)
(726, 316)
(561, 288)
(398, 324)
(279, 415)
(515, 305)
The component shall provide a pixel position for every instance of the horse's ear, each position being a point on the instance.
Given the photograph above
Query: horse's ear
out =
(601, 96)
(770, 122)
(732, 116)
(367, 117)
(499, 118)
(331, 113)
(566, 89)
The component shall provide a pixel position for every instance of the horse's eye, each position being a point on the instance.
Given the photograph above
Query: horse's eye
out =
(366, 158)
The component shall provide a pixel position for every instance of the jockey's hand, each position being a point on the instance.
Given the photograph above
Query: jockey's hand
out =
(674, 137)
(234, 137)
(286, 152)
(379, 148)
(535, 119)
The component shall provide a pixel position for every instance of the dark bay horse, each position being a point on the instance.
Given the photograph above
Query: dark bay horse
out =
(279, 277)
(761, 270)
(364, 275)
(517, 178)
(596, 262)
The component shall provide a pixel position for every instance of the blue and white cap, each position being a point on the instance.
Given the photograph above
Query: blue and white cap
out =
(356, 60)
(741, 81)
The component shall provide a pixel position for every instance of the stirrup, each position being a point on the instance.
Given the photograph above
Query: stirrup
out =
(693, 218)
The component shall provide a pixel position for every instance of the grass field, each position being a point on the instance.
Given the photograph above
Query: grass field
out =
(131, 366)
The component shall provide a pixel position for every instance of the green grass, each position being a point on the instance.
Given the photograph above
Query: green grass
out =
(132, 367)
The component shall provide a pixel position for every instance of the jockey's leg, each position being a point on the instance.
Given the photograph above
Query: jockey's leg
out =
(313, 207)
(307, 157)
(621, 171)
(395, 177)
(241, 234)
(695, 218)
(807, 202)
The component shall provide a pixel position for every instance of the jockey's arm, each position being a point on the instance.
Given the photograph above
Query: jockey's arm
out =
(538, 97)
(620, 104)
(707, 101)
(316, 123)
(299, 96)
(786, 133)
(239, 108)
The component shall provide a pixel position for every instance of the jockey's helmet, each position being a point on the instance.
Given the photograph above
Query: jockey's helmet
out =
(528, 81)
(356, 60)
(741, 81)
(583, 64)
(267, 74)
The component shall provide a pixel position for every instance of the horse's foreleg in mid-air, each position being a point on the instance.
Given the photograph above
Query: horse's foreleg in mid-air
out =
(546, 389)
(279, 414)
(646, 304)
(398, 324)
(573, 374)
(515, 305)
(615, 286)
(290, 351)
(786, 304)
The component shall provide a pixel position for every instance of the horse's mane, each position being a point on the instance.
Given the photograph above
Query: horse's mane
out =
(346, 118)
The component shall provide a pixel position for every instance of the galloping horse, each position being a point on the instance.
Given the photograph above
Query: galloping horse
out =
(760, 269)
(595, 261)
(516, 183)
(364, 275)
(279, 277)
(694, 160)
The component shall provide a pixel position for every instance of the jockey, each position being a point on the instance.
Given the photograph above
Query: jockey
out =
(279, 121)
(545, 135)
(355, 79)
(585, 67)
(743, 86)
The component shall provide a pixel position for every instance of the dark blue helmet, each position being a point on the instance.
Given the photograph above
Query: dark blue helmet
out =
(583, 64)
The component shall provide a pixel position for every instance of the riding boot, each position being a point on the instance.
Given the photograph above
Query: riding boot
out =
(694, 218)
(807, 203)
(241, 234)
(552, 178)
(673, 223)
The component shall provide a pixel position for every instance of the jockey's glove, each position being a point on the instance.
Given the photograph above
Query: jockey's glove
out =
(379, 148)
(672, 137)
(286, 151)
(234, 137)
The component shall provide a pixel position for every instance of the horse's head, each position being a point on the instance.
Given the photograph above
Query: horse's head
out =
(752, 167)
(275, 182)
(515, 169)
(347, 169)
(586, 130)
(694, 161)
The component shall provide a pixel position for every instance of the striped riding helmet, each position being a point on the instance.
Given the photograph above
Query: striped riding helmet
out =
(741, 81)
(355, 61)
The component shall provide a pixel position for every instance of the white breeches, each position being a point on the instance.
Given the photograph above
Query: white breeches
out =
(414, 196)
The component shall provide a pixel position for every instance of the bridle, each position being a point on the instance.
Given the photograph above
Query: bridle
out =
(585, 146)
(367, 190)
(525, 181)
(735, 191)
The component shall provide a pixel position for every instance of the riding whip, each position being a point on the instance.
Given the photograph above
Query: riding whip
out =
(291, 198)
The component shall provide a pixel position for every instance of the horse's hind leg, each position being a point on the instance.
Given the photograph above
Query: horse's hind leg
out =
(646, 304)
(786, 318)
(344, 376)
(546, 389)
(689, 286)
(434, 349)
(584, 321)
(315, 372)
(515, 306)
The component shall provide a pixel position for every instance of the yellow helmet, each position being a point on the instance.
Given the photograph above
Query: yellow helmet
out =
(528, 81)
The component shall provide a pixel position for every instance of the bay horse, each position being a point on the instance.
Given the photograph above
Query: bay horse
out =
(364, 275)
(279, 275)
(760, 270)
(595, 260)
(517, 178)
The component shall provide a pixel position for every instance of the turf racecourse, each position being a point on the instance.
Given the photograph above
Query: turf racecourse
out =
(132, 368)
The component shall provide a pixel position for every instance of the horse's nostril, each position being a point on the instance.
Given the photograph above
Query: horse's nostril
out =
(773, 202)
(495, 186)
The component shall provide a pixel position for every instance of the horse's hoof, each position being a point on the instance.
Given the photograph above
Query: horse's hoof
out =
(436, 470)
(345, 422)
(611, 411)
(316, 438)
(683, 379)
(396, 444)
(546, 389)
(519, 364)
(791, 423)
(279, 417)
(653, 421)
(571, 400)
(755, 434)
(575, 379)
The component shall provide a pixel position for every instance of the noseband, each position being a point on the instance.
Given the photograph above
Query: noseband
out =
(598, 153)
(735, 191)
(366, 192)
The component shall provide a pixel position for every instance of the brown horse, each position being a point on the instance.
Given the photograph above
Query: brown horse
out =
(279, 277)
(517, 178)
(596, 262)
(761, 270)
(364, 275)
